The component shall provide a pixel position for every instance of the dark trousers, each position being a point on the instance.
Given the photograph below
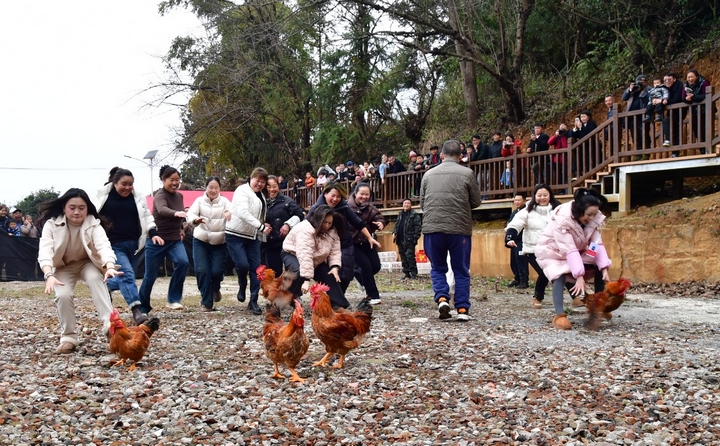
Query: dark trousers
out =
(209, 268)
(321, 274)
(270, 257)
(519, 264)
(367, 264)
(407, 257)
(542, 280)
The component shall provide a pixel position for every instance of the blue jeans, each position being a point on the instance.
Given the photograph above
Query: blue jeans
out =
(126, 258)
(209, 268)
(245, 253)
(154, 255)
(437, 246)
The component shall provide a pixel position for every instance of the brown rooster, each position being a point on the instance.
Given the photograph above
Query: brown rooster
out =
(601, 305)
(285, 343)
(339, 331)
(130, 342)
(276, 290)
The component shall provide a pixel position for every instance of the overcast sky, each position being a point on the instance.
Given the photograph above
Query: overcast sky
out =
(71, 74)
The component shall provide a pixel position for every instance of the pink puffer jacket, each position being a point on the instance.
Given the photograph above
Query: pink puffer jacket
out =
(563, 245)
(312, 250)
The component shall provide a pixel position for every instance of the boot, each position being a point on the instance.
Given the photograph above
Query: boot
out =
(138, 315)
(253, 306)
(241, 293)
(561, 322)
(513, 284)
(523, 285)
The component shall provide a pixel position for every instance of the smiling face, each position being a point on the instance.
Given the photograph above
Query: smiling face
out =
(584, 118)
(3, 211)
(668, 81)
(542, 197)
(518, 201)
(691, 78)
(589, 215)
(171, 183)
(124, 186)
(362, 195)
(332, 197)
(75, 211)
(257, 184)
(407, 205)
(212, 190)
(272, 188)
(609, 101)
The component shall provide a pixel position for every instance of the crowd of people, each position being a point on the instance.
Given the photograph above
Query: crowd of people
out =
(15, 224)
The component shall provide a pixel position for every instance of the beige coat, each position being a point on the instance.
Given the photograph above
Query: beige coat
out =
(312, 250)
(54, 242)
(213, 230)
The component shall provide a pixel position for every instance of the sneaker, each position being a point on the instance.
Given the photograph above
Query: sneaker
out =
(205, 309)
(646, 118)
(666, 143)
(64, 348)
(217, 296)
(673, 156)
(444, 308)
(536, 304)
(463, 315)
(658, 118)
(561, 322)
(175, 306)
(375, 301)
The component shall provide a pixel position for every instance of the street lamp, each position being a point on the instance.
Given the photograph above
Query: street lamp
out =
(150, 156)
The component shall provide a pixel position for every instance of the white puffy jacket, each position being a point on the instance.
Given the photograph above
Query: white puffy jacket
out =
(213, 211)
(532, 223)
(147, 222)
(248, 214)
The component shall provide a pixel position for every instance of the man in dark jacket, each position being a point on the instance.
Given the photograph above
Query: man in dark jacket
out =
(675, 88)
(406, 234)
(518, 263)
(496, 146)
(395, 166)
(637, 98)
(539, 143)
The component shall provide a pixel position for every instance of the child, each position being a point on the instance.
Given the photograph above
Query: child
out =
(13, 230)
(508, 177)
(659, 95)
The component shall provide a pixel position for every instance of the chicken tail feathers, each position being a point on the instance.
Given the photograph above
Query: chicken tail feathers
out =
(153, 324)
(272, 313)
(365, 307)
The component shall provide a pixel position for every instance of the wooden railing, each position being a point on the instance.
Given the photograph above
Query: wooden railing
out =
(691, 129)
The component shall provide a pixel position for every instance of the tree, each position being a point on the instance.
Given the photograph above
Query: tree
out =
(29, 204)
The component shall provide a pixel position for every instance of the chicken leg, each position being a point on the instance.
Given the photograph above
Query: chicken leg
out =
(323, 362)
(295, 377)
(277, 373)
(340, 363)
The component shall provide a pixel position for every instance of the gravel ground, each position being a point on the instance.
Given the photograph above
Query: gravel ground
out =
(650, 377)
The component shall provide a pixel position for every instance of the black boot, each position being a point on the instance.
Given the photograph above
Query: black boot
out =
(523, 284)
(241, 293)
(138, 315)
(513, 284)
(253, 306)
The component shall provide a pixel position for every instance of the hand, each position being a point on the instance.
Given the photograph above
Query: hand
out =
(528, 150)
(228, 215)
(200, 221)
(632, 85)
(605, 275)
(688, 97)
(335, 274)
(268, 229)
(579, 288)
(375, 243)
(511, 244)
(51, 283)
(111, 273)
(284, 229)
(157, 240)
(180, 214)
(305, 287)
(379, 225)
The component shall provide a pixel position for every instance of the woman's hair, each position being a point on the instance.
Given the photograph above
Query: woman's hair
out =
(695, 72)
(166, 171)
(55, 208)
(272, 177)
(330, 185)
(553, 201)
(319, 215)
(116, 173)
(4, 206)
(259, 173)
(510, 135)
(583, 199)
(212, 178)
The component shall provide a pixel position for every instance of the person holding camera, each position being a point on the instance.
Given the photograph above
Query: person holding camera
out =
(559, 141)
(637, 98)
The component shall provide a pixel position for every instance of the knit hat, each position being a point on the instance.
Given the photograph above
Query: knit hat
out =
(412, 154)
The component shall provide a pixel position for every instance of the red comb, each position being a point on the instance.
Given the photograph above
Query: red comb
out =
(261, 272)
(318, 288)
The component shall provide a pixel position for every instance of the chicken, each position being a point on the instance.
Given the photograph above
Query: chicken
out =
(340, 331)
(601, 305)
(285, 343)
(276, 290)
(130, 342)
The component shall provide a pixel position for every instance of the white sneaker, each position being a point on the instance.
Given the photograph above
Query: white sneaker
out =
(666, 143)
(175, 306)
(375, 301)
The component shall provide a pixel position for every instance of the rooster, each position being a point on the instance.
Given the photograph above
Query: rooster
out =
(339, 331)
(276, 290)
(285, 343)
(130, 342)
(601, 305)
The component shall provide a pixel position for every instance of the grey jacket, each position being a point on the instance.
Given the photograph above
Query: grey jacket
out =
(448, 193)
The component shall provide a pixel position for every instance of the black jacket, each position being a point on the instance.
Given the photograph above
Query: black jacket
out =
(282, 209)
